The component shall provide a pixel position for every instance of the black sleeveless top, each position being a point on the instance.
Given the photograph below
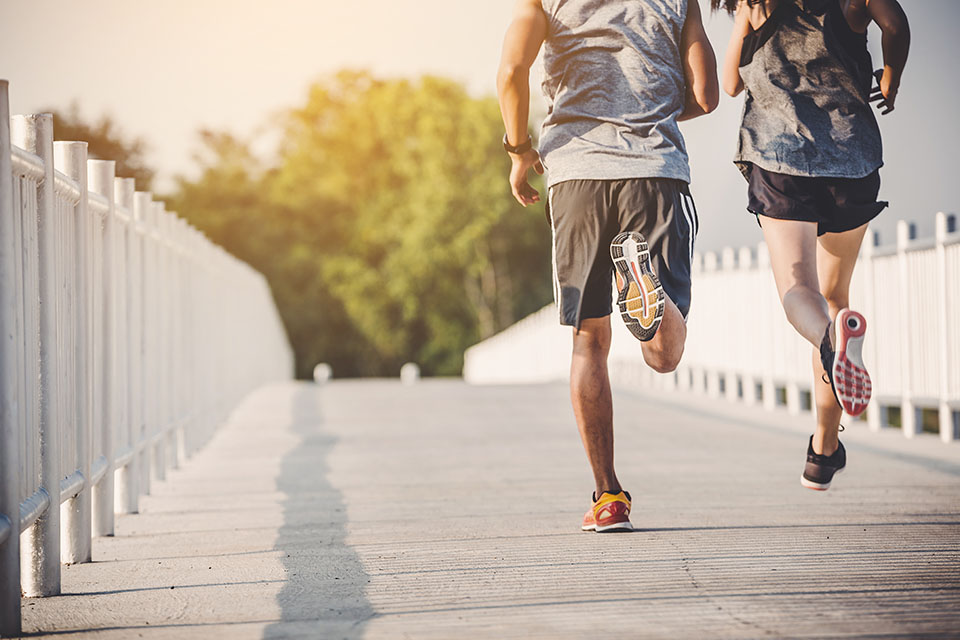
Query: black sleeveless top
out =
(807, 77)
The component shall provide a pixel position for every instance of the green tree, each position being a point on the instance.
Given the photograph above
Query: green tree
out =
(386, 225)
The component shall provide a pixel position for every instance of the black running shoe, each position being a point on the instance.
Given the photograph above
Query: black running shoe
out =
(820, 469)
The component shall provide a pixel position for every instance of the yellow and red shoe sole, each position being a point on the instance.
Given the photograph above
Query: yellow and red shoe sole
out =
(640, 297)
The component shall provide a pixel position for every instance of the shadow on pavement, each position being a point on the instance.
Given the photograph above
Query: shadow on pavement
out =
(325, 592)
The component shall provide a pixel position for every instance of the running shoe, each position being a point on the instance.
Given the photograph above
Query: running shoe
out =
(850, 378)
(640, 295)
(820, 469)
(611, 512)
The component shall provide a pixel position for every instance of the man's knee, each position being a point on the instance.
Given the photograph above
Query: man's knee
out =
(663, 360)
(593, 336)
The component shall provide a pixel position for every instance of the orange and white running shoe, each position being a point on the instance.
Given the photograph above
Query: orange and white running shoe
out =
(610, 512)
(640, 296)
(851, 382)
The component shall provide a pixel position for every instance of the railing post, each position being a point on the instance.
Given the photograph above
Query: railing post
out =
(749, 382)
(948, 426)
(767, 386)
(142, 204)
(183, 379)
(908, 417)
(874, 410)
(71, 157)
(712, 376)
(127, 477)
(730, 373)
(100, 176)
(40, 544)
(157, 358)
(9, 418)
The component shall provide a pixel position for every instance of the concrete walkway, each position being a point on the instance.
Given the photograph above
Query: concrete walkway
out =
(373, 510)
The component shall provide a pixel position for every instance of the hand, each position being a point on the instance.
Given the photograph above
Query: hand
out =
(522, 163)
(885, 92)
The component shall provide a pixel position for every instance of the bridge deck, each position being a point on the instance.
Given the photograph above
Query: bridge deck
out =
(369, 509)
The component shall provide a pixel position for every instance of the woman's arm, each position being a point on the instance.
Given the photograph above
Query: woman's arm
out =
(732, 82)
(889, 16)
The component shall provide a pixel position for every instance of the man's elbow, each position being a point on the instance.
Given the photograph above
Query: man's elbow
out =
(707, 99)
(711, 100)
(512, 74)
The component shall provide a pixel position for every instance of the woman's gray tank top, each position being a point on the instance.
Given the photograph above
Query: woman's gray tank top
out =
(614, 87)
(807, 77)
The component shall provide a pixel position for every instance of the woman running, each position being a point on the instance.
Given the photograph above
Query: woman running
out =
(810, 150)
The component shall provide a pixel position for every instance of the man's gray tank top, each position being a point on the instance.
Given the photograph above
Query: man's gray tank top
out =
(807, 77)
(614, 87)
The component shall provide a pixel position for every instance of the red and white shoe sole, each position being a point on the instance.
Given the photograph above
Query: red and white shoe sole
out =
(850, 378)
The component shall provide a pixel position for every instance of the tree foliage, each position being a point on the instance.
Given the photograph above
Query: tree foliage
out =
(385, 224)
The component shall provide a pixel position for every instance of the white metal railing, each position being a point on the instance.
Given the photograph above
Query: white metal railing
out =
(741, 347)
(125, 338)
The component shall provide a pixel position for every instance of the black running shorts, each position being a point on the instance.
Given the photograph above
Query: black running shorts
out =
(586, 215)
(835, 204)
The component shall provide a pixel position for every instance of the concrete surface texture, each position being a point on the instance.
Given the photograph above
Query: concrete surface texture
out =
(370, 509)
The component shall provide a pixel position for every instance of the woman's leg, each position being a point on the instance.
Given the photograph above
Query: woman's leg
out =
(836, 258)
(793, 257)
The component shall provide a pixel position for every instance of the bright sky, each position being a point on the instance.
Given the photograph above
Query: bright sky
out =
(166, 69)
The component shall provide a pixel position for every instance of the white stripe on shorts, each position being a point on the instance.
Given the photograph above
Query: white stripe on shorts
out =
(685, 204)
(553, 259)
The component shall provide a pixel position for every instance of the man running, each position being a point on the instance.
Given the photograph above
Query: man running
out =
(619, 75)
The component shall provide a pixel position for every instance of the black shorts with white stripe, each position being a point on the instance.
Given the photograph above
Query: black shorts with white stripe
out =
(586, 215)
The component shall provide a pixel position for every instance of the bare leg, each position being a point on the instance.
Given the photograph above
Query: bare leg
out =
(663, 352)
(793, 258)
(592, 401)
(836, 258)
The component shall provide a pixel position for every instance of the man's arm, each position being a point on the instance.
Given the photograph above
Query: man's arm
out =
(699, 66)
(520, 48)
(889, 16)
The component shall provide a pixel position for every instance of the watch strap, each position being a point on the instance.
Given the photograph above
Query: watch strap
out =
(523, 147)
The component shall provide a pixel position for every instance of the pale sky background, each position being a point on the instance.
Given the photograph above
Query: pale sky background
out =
(165, 69)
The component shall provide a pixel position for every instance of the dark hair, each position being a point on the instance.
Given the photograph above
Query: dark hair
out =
(730, 6)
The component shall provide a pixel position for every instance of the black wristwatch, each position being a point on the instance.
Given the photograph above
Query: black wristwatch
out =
(520, 148)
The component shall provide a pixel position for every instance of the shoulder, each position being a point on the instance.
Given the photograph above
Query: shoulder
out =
(857, 13)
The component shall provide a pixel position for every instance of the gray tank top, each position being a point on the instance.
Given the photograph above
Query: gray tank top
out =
(614, 87)
(807, 77)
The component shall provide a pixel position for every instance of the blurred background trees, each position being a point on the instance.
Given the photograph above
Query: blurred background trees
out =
(384, 223)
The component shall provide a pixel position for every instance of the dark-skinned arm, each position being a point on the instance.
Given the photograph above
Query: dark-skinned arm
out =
(521, 45)
(699, 66)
